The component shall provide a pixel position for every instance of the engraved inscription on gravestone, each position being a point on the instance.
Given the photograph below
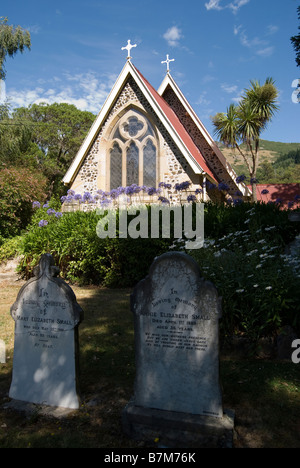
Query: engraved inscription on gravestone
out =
(46, 318)
(176, 317)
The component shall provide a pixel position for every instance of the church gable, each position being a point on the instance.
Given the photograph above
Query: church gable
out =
(131, 147)
(201, 138)
(142, 138)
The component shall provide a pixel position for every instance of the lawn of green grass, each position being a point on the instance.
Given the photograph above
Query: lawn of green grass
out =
(265, 395)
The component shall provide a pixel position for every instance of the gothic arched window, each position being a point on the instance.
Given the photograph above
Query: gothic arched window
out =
(149, 164)
(132, 164)
(115, 166)
(133, 152)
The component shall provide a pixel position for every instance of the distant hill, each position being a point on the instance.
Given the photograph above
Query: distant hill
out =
(270, 151)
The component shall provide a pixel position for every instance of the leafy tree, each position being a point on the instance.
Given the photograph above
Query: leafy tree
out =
(296, 42)
(19, 187)
(245, 122)
(16, 146)
(13, 39)
(57, 131)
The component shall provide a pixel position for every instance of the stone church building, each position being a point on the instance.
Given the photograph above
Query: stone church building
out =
(147, 137)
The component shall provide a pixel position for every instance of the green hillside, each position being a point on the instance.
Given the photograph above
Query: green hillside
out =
(278, 162)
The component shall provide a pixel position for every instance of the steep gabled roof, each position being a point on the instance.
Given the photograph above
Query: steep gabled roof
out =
(163, 111)
(170, 82)
(179, 128)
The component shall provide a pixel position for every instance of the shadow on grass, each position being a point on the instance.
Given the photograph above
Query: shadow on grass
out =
(264, 394)
(266, 398)
(106, 338)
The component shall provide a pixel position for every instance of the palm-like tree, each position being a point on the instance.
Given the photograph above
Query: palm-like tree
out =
(244, 123)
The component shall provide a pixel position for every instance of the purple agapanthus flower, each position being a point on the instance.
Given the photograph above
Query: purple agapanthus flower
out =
(240, 179)
(163, 200)
(36, 204)
(51, 211)
(223, 186)
(191, 198)
(152, 191)
(114, 193)
(43, 223)
(238, 201)
(87, 196)
(183, 186)
(209, 185)
(164, 185)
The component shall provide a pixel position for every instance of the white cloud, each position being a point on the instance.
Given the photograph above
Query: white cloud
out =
(259, 46)
(234, 6)
(86, 91)
(245, 41)
(172, 36)
(203, 101)
(272, 29)
(2, 92)
(237, 30)
(266, 52)
(229, 89)
(213, 5)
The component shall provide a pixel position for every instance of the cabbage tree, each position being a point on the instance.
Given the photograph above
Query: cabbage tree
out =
(244, 123)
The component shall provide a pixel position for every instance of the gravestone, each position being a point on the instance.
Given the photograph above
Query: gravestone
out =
(2, 352)
(45, 362)
(177, 390)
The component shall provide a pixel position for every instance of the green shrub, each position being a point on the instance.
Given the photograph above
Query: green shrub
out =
(244, 256)
(19, 186)
(259, 284)
(82, 256)
(10, 248)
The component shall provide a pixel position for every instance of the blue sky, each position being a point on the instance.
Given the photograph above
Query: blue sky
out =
(218, 47)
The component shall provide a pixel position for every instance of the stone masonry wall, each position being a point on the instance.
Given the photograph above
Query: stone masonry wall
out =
(214, 163)
(173, 168)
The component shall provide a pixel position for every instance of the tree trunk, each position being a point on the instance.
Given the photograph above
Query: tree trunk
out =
(254, 194)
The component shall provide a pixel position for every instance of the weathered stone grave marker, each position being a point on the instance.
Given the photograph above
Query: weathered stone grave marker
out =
(45, 358)
(177, 391)
(2, 352)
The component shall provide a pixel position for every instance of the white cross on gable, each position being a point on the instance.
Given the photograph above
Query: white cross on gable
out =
(128, 48)
(168, 63)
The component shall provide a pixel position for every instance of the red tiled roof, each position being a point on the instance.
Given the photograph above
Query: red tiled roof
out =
(179, 128)
(285, 193)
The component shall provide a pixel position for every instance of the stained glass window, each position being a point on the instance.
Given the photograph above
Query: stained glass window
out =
(149, 154)
(115, 167)
(132, 163)
(133, 126)
(135, 132)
